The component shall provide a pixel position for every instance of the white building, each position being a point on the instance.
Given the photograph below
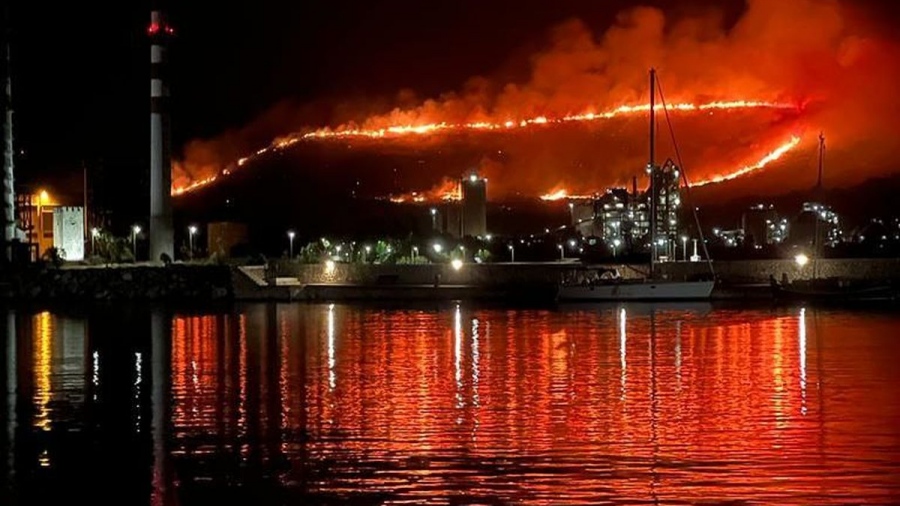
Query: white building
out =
(68, 232)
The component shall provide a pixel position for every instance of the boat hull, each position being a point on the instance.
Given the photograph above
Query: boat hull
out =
(812, 293)
(647, 291)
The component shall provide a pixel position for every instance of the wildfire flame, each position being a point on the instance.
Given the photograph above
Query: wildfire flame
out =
(448, 190)
(399, 131)
(775, 154)
(780, 151)
(560, 194)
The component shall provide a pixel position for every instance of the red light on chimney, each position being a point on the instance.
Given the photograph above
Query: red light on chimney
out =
(153, 28)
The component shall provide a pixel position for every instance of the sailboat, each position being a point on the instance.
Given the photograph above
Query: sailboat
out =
(650, 288)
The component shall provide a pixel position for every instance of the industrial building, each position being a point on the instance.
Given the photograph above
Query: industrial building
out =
(474, 206)
(466, 217)
(622, 218)
(666, 185)
(817, 224)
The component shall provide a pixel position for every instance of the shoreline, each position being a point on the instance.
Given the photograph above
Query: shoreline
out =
(283, 280)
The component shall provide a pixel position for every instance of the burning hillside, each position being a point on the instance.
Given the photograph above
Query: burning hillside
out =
(741, 96)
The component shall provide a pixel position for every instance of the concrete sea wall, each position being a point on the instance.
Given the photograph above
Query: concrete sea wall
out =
(133, 282)
(500, 274)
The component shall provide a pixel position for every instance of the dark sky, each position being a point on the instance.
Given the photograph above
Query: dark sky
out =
(81, 68)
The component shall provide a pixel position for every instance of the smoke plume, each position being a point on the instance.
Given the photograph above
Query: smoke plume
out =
(825, 56)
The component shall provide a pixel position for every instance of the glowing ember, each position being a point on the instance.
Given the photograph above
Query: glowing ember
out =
(399, 131)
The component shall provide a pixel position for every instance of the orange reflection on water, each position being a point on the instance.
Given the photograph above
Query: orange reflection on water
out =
(578, 406)
(43, 334)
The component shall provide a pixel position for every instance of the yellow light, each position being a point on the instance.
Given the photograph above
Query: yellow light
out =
(329, 266)
(456, 264)
(44, 196)
(801, 259)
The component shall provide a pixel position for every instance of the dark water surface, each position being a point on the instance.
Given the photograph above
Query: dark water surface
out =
(324, 404)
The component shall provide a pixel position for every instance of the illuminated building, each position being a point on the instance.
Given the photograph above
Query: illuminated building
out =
(474, 206)
(48, 223)
(621, 217)
(816, 223)
(755, 222)
(730, 238)
(668, 201)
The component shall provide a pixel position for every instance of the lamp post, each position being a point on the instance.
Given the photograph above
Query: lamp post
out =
(616, 243)
(512, 253)
(684, 240)
(433, 219)
(191, 231)
(291, 244)
(94, 233)
(438, 248)
(415, 252)
(135, 230)
(562, 252)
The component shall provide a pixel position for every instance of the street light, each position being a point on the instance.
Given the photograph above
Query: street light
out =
(415, 251)
(801, 259)
(562, 252)
(512, 252)
(433, 218)
(135, 230)
(437, 247)
(684, 240)
(191, 231)
(616, 243)
(291, 235)
(95, 232)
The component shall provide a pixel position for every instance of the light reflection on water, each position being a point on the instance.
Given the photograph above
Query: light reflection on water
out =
(339, 403)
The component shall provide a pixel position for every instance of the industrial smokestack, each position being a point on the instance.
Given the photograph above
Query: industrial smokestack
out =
(161, 229)
(9, 192)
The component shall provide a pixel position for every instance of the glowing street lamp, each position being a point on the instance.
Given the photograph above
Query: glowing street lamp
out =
(456, 264)
(616, 243)
(512, 252)
(135, 230)
(801, 259)
(562, 252)
(95, 232)
(437, 247)
(191, 231)
(291, 236)
(684, 240)
(433, 218)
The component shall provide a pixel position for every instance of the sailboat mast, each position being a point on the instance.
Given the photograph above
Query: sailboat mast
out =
(651, 168)
(652, 118)
(821, 161)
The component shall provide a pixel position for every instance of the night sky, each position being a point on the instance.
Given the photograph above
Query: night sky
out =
(81, 68)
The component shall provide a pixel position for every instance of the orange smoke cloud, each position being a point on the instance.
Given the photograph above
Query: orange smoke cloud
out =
(820, 54)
